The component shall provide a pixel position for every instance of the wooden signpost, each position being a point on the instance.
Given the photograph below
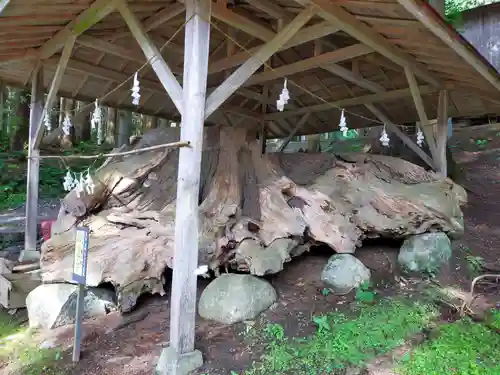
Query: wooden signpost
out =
(79, 277)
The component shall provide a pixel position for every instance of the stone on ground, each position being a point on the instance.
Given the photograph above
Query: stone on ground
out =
(233, 298)
(425, 252)
(54, 305)
(344, 272)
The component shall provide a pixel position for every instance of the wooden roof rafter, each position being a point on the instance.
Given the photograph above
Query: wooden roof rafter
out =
(390, 27)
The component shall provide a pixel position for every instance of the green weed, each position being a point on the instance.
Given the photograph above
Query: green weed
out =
(341, 341)
(462, 348)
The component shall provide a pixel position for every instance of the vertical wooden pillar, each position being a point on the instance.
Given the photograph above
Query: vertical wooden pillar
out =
(184, 281)
(263, 137)
(30, 236)
(124, 128)
(442, 133)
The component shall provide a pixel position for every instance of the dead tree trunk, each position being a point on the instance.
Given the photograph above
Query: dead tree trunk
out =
(256, 211)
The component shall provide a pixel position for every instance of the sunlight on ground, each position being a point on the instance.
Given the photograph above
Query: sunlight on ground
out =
(20, 354)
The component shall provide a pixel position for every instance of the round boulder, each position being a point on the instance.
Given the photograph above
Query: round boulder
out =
(425, 252)
(233, 298)
(54, 305)
(344, 272)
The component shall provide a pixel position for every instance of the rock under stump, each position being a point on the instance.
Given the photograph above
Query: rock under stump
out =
(425, 252)
(53, 305)
(344, 272)
(233, 298)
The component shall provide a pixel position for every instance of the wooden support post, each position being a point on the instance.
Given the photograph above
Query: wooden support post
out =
(442, 133)
(181, 358)
(299, 125)
(263, 138)
(124, 128)
(30, 235)
(407, 140)
(244, 72)
(419, 105)
(165, 75)
(54, 87)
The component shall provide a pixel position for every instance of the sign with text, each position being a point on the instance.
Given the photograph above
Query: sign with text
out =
(81, 253)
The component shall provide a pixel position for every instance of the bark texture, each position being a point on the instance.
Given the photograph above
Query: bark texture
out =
(256, 211)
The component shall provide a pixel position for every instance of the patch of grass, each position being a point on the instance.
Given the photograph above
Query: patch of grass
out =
(8, 326)
(474, 263)
(462, 348)
(20, 355)
(341, 341)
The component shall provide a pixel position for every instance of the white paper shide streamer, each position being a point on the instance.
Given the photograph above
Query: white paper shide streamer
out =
(82, 184)
(284, 97)
(136, 91)
(384, 138)
(343, 124)
(420, 138)
(67, 125)
(96, 122)
(47, 122)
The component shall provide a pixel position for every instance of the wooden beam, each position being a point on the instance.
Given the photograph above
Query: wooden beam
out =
(244, 72)
(54, 87)
(394, 128)
(113, 49)
(305, 35)
(183, 300)
(33, 174)
(240, 22)
(442, 133)
(334, 13)
(311, 63)
(156, 20)
(294, 131)
(169, 12)
(270, 8)
(85, 20)
(422, 115)
(162, 70)
(349, 102)
(352, 77)
(452, 39)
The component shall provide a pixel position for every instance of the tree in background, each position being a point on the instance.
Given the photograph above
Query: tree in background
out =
(454, 8)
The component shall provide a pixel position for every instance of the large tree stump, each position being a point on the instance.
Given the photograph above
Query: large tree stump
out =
(256, 211)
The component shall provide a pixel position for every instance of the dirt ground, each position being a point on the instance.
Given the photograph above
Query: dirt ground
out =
(111, 346)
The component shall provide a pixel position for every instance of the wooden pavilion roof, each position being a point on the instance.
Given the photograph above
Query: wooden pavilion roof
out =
(350, 54)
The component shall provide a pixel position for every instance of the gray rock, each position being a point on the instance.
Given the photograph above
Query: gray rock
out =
(344, 272)
(184, 364)
(234, 298)
(54, 305)
(265, 260)
(425, 252)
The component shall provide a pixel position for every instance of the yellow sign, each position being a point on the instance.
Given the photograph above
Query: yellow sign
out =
(80, 256)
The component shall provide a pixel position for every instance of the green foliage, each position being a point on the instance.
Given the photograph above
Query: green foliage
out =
(462, 348)
(365, 293)
(18, 348)
(13, 173)
(453, 9)
(474, 263)
(341, 341)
